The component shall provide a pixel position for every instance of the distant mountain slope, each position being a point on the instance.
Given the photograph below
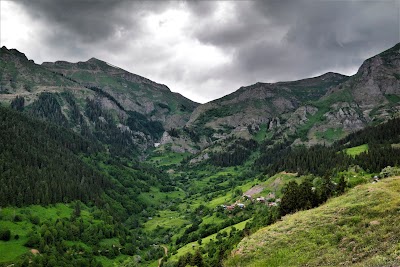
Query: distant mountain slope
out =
(262, 103)
(357, 229)
(310, 111)
(102, 102)
(133, 92)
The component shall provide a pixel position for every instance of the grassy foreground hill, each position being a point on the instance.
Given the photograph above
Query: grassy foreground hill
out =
(359, 228)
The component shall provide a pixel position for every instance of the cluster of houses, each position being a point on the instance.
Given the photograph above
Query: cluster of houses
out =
(269, 200)
(232, 207)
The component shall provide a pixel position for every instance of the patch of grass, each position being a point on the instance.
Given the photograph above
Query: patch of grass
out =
(191, 247)
(110, 241)
(393, 99)
(11, 250)
(331, 134)
(83, 76)
(167, 158)
(357, 229)
(262, 133)
(354, 151)
(155, 197)
(166, 219)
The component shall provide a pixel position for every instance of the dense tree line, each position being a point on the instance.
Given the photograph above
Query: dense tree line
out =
(39, 163)
(78, 240)
(378, 157)
(48, 107)
(139, 122)
(319, 160)
(102, 125)
(76, 116)
(324, 160)
(103, 93)
(385, 133)
(18, 103)
(235, 154)
(121, 142)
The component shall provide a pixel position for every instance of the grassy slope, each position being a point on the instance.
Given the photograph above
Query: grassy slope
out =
(191, 247)
(359, 228)
(12, 249)
(354, 151)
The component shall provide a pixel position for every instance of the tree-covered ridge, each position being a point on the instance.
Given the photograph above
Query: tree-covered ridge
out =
(40, 163)
(126, 134)
(235, 153)
(324, 160)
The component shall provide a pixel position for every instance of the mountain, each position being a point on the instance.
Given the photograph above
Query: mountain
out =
(131, 91)
(332, 102)
(262, 103)
(319, 110)
(99, 101)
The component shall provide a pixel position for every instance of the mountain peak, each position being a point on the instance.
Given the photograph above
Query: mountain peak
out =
(94, 60)
(14, 52)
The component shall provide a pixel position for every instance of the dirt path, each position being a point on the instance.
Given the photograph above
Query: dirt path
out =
(42, 89)
(254, 190)
(166, 254)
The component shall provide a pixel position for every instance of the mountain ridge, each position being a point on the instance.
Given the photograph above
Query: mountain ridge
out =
(314, 110)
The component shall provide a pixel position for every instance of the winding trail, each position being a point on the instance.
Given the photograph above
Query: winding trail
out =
(166, 254)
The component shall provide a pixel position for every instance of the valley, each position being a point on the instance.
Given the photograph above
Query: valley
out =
(102, 167)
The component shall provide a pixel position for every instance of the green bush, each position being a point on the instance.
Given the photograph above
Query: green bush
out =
(5, 235)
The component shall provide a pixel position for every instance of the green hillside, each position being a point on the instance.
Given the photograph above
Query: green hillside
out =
(358, 229)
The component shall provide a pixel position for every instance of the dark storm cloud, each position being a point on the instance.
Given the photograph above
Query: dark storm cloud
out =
(251, 41)
(91, 20)
(281, 40)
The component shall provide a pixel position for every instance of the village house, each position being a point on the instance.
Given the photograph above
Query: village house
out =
(261, 199)
(270, 196)
(247, 197)
(241, 205)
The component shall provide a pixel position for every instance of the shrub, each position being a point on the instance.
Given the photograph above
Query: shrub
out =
(5, 235)
(390, 171)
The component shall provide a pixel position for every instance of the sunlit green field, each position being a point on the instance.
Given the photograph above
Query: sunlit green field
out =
(354, 151)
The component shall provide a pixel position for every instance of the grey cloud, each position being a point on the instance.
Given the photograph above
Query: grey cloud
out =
(285, 40)
(266, 40)
(201, 8)
(92, 20)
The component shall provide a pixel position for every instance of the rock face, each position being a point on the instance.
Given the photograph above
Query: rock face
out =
(279, 106)
(345, 115)
(260, 102)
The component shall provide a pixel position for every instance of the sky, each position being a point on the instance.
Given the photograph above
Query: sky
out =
(205, 49)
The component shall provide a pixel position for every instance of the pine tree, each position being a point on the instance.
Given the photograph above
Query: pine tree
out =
(197, 259)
